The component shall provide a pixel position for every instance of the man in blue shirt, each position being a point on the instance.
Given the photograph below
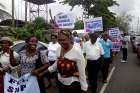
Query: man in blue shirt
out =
(107, 45)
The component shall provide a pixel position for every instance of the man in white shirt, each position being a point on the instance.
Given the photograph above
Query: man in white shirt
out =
(93, 52)
(52, 49)
(52, 57)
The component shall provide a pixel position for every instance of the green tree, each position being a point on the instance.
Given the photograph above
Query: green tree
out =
(123, 22)
(38, 28)
(96, 8)
(39, 23)
(79, 25)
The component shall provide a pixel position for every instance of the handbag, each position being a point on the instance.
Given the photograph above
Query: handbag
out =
(66, 67)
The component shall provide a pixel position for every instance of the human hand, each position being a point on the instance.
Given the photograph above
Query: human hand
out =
(84, 91)
(35, 73)
(6, 69)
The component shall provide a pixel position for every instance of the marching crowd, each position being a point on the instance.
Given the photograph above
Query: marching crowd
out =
(72, 60)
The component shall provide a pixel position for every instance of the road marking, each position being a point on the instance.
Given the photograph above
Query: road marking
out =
(108, 79)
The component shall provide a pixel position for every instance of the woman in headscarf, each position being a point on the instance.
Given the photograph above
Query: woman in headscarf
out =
(8, 58)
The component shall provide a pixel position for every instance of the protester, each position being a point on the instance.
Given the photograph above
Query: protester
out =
(52, 56)
(8, 59)
(70, 66)
(86, 37)
(107, 45)
(31, 60)
(76, 39)
(125, 42)
(93, 52)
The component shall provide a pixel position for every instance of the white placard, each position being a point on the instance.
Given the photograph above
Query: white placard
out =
(65, 21)
(114, 33)
(24, 84)
(93, 25)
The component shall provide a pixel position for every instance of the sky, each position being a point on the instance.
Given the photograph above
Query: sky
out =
(129, 6)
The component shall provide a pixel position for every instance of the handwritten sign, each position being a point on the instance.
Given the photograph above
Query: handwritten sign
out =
(92, 25)
(65, 21)
(114, 33)
(25, 84)
(116, 46)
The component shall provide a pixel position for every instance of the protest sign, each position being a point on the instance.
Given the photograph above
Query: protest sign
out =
(116, 46)
(93, 25)
(114, 33)
(65, 21)
(24, 84)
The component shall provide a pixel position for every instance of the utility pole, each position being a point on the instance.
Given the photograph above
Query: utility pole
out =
(26, 7)
(46, 13)
(38, 10)
(138, 25)
(13, 14)
(132, 27)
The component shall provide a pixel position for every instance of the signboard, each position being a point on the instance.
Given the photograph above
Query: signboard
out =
(65, 21)
(93, 25)
(114, 33)
(25, 84)
(116, 46)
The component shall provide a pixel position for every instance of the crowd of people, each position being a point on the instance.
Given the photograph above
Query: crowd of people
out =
(69, 59)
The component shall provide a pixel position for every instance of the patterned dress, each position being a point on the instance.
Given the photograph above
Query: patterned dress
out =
(28, 62)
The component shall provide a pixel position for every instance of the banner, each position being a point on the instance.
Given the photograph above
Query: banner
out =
(25, 84)
(65, 21)
(114, 33)
(93, 25)
(116, 46)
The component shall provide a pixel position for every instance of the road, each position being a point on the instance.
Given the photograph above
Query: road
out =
(126, 76)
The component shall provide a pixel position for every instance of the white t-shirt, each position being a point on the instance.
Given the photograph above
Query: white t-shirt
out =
(5, 59)
(93, 51)
(76, 55)
(52, 49)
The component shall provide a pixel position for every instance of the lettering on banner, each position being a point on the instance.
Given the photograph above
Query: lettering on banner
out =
(116, 46)
(65, 21)
(19, 85)
(92, 25)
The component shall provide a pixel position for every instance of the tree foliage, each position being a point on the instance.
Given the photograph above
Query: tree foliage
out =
(79, 25)
(96, 8)
(123, 21)
(38, 28)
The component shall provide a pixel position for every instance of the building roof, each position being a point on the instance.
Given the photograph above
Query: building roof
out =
(8, 22)
(4, 15)
(40, 2)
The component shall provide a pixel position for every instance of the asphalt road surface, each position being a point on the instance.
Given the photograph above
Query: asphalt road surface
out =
(126, 76)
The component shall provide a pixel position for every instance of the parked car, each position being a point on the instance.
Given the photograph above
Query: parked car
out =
(20, 45)
(135, 43)
(138, 51)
